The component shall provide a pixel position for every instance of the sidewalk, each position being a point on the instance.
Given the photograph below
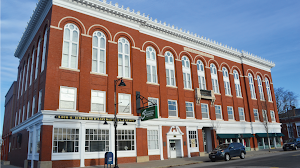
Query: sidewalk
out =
(182, 161)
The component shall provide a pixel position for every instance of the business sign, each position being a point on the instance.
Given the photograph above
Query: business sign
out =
(92, 118)
(149, 113)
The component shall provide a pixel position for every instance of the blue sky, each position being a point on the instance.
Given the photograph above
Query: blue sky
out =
(268, 28)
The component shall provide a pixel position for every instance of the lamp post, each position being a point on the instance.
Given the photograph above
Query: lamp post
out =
(116, 121)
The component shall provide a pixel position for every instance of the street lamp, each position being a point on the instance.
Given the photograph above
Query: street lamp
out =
(115, 123)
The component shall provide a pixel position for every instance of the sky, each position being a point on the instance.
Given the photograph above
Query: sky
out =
(267, 28)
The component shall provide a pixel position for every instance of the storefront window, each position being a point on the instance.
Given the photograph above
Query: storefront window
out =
(152, 139)
(125, 140)
(65, 140)
(266, 143)
(96, 140)
(278, 142)
(193, 139)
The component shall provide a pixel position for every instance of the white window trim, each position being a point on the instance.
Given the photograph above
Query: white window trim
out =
(257, 114)
(265, 116)
(220, 112)
(176, 108)
(192, 108)
(23, 113)
(44, 50)
(32, 63)
(260, 88)
(237, 82)
(129, 105)
(37, 59)
(169, 67)
(104, 103)
(186, 71)
(27, 71)
(251, 85)
(232, 112)
(123, 58)
(154, 151)
(226, 81)
(207, 111)
(33, 106)
(268, 89)
(75, 97)
(157, 104)
(152, 63)
(28, 107)
(243, 114)
(201, 75)
(98, 53)
(214, 78)
(193, 149)
(23, 79)
(273, 117)
(40, 100)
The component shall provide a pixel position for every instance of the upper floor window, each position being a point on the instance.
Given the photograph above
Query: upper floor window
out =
(153, 101)
(32, 70)
(172, 108)
(170, 70)
(67, 99)
(44, 50)
(27, 71)
(226, 81)
(265, 115)
(218, 111)
(241, 114)
(186, 72)
(268, 89)
(123, 58)
(28, 108)
(251, 85)
(230, 113)
(98, 101)
(272, 116)
(256, 116)
(260, 88)
(33, 106)
(214, 78)
(124, 104)
(151, 65)
(70, 46)
(40, 100)
(204, 110)
(189, 108)
(99, 52)
(201, 75)
(237, 84)
(23, 79)
(37, 59)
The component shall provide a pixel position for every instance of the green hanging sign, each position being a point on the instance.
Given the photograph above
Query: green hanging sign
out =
(149, 113)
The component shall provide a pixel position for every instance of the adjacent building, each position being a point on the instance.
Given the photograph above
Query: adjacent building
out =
(290, 124)
(71, 54)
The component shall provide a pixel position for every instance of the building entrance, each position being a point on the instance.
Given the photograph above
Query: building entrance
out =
(175, 148)
(207, 140)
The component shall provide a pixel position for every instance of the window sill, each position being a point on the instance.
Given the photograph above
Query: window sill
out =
(97, 112)
(191, 118)
(239, 97)
(171, 117)
(253, 99)
(206, 119)
(229, 95)
(67, 110)
(219, 119)
(270, 101)
(150, 83)
(188, 89)
(70, 69)
(125, 114)
(171, 86)
(97, 73)
(124, 78)
(217, 93)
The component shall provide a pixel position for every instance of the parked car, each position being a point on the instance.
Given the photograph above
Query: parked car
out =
(292, 143)
(227, 150)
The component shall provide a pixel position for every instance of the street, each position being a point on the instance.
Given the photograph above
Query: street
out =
(281, 159)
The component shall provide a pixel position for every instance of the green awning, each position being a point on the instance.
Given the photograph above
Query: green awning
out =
(247, 135)
(263, 135)
(220, 136)
(278, 134)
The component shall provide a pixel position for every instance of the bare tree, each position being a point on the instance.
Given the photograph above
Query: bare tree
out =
(266, 126)
(284, 99)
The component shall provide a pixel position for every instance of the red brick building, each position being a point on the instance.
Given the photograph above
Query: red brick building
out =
(290, 124)
(72, 52)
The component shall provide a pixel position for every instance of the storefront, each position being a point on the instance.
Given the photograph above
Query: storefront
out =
(263, 141)
(240, 138)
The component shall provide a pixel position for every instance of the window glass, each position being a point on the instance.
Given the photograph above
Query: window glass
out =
(241, 114)
(260, 88)
(125, 140)
(37, 59)
(189, 108)
(67, 98)
(272, 116)
(170, 70)
(214, 78)
(237, 84)
(186, 72)
(151, 65)
(251, 85)
(70, 46)
(218, 111)
(99, 52)
(204, 110)
(98, 101)
(65, 140)
(172, 106)
(193, 139)
(124, 58)
(226, 81)
(256, 116)
(265, 115)
(40, 100)
(124, 104)
(268, 89)
(44, 50)
(201, 75)
(96, 140)
(152, 139)
(230, 113)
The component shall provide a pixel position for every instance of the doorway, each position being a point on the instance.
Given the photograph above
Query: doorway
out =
(175, 148)
(207, 140)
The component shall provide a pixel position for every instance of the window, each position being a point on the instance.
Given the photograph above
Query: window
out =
(23, 113)
(40, 100)
(260, 88)
(96, 140)
(16, 118)
(27, 71)
(214, 78)
(226, 81)
(172, 106)
(193, 139)
(38, 138)
(99, 52)
(28, 108)
(37, 59)
(218, 111)
(30, 142)
(298, 130)
(272, 116)
(201, 75)
(123, 58)
(237, 84)
(186, 72)
(189, 108)
(70, 46)
(170, 70)
(241, 114)
(265, 116)
(23, 79)
(67, 100)
(19, 87)
(204, 110)
(125, 140)
(124, 103)
(256, 115)
(32, 70)
(268, 89)
(290, 130)
(65, 140)
(152, 101)
(230, 113)
(19, 119)
(152, 139)
(33, 106)
(44, 50)
(251, 85)
(151, 65)
(98, 101)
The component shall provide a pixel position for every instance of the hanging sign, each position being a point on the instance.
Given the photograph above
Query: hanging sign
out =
(149, 113)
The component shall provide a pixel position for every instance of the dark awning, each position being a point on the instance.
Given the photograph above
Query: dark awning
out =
(263, 135)
(220, 136)
(278, 134)
(247, 135)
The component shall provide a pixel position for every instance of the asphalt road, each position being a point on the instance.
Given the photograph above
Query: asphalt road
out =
(282, 159)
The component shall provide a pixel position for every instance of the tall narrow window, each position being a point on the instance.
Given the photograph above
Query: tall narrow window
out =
(230, 113)
(19, 119)
(67, 99)
(256, 115)
(172, 108)
(44, 50)
(23, 113)
(152, 101)
(40, 100)
(170, 70)
(204, 110)
(98, 101)
(20, 78)
(251, 85)
(152, 139)
(123, 58)
(186, 72)
(32, 70)
(272, 116)
(218, 111)
(38, 138)
(23, 79)
(226, 81)
(189, 108)
(260, 88)
(99, 52)
(33, 106)
(193, 139)
(237, 84)
(70, 46)
(151, 65)
(268, 89)
(242, 114)
(27, 71)
(201, 75)
(37, 59)
(16, 118)
(28, 108)
(265, 115)
(124, 104)
(214, 78)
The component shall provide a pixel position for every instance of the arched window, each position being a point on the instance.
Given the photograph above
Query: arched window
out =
(214, 78)
(260, 88)
(201, 75)
(23, 78)
(99, 52)
(237, 84)
(123, 58)
(170, 70)
(31, 69)
(186, 72)
(226, 81)
(70, 46)
(151, 65)
(27, 71)
(251, 84)
(44, 50)
(37, 59)
(268, 89)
